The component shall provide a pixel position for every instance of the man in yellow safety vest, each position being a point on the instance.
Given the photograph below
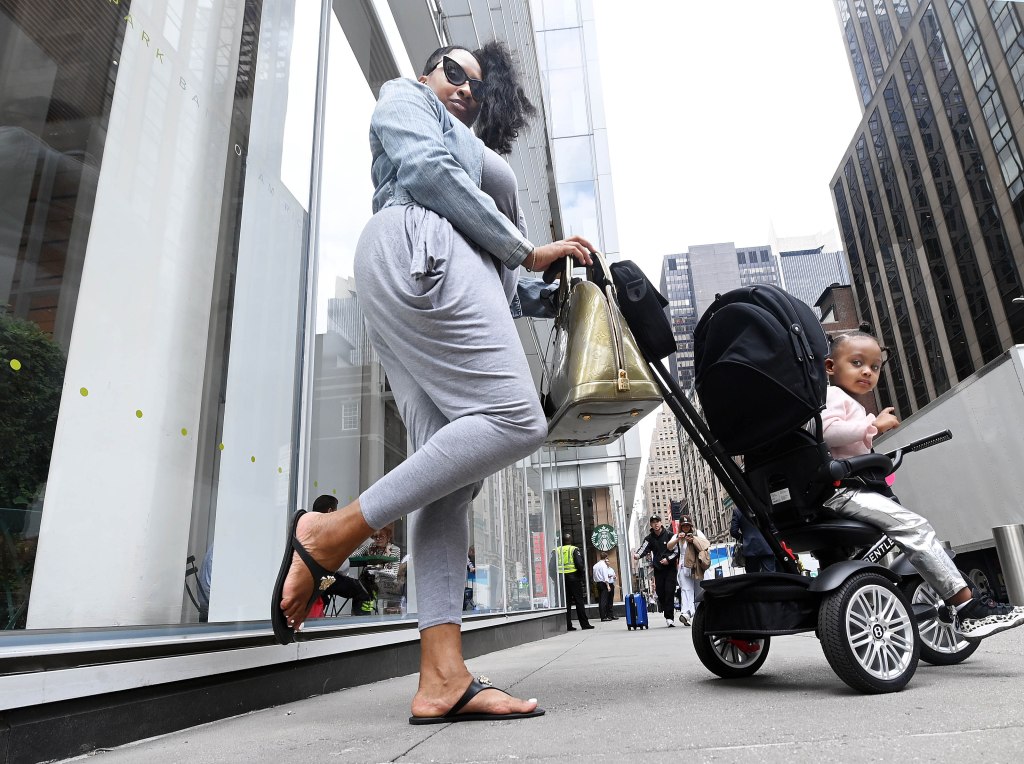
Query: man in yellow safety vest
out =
(568, 561)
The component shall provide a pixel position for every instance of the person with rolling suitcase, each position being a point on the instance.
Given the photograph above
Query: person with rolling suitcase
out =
(664, 563)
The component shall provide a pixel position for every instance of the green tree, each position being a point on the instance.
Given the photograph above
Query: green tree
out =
(31, 376)
(29, 401)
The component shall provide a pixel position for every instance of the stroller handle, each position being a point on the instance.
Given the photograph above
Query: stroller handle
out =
(923, 443)
(918, 445)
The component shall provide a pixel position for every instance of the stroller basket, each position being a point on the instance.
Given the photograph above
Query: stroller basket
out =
(761, 603)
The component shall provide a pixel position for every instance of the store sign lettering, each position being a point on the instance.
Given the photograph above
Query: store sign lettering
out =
(139, 33)
(129, 21)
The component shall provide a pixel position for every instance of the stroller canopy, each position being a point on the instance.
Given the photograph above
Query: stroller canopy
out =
(759, 358)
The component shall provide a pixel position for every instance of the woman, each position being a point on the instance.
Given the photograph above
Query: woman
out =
(691, 543)
(436, 272)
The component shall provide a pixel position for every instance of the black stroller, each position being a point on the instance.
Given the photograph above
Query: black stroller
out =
(760, 377)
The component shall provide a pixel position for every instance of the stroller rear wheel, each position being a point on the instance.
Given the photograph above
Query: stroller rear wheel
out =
(940, 644)
(728, 657)
(868, 634)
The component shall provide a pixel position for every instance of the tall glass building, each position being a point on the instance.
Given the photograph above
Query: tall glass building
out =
(930, 194)
(690, 280)
(183, 358)
(808, 272)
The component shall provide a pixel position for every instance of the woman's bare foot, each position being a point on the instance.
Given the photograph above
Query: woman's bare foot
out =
(329, 539)
(438, 700)
(444, 678)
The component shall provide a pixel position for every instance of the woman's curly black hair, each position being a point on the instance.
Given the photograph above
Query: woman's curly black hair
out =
(505, 109)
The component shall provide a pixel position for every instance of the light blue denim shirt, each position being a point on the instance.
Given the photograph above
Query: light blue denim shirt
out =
(423, 155)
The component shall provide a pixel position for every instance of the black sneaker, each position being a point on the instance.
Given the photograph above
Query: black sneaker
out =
(983, 616)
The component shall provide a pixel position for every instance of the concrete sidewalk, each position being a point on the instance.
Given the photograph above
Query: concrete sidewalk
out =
(613, 695)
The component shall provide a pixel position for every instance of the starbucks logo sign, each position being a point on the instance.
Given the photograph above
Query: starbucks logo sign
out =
(604, 538)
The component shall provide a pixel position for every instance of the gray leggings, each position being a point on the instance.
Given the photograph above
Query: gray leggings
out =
(462, 383)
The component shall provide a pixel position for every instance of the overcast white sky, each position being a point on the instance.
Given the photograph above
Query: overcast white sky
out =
(726, 118)
(726, 121)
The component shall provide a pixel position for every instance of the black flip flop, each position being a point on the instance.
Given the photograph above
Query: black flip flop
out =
(474, 689)
(322, 578)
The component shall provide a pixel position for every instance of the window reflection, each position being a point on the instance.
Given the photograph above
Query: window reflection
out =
(567, 111)
(579, 207)
(564, 48)
(356, 433)
(574, 159)
(555, 14)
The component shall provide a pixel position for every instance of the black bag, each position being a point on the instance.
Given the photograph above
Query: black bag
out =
(643, 307)
(759, 363)
(739, 560)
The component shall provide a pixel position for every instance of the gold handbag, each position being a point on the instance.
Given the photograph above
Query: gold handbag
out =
(600, 384)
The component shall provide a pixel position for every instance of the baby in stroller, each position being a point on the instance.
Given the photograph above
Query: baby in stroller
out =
(853, 368)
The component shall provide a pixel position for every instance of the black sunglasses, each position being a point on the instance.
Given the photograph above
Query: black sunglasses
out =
(456, 75)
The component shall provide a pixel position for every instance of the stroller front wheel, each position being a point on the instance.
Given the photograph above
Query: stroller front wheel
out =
(728, 657)
(869, 635)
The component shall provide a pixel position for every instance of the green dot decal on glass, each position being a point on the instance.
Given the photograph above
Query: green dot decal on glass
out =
(184, 431)
(316, 484)
(333, 491)
(15, 364)
(221, 446)
(252, 459)
(279, 470)
(84, 391)
(138, 413)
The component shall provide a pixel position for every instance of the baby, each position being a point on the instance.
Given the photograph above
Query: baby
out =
(853, 368)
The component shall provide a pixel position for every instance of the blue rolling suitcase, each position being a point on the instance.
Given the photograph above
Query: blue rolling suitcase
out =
(636, 612)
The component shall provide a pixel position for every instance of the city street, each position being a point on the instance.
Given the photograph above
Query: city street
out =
(613, 695)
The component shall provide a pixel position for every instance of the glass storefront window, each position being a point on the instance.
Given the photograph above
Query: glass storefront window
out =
(355, 433)
(163, 403)
(152, 258)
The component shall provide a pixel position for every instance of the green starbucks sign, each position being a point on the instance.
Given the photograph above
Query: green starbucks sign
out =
(604, 538)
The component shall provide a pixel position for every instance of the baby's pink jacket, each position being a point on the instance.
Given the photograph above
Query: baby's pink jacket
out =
(847, 427)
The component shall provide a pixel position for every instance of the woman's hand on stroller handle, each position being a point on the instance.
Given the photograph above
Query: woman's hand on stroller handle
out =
(546, 255)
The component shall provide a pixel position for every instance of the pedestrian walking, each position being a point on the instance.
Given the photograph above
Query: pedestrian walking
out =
(692, 546)
(437, 273)
(663, 560)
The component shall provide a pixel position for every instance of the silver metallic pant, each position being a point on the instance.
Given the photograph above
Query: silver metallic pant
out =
(911, 532)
